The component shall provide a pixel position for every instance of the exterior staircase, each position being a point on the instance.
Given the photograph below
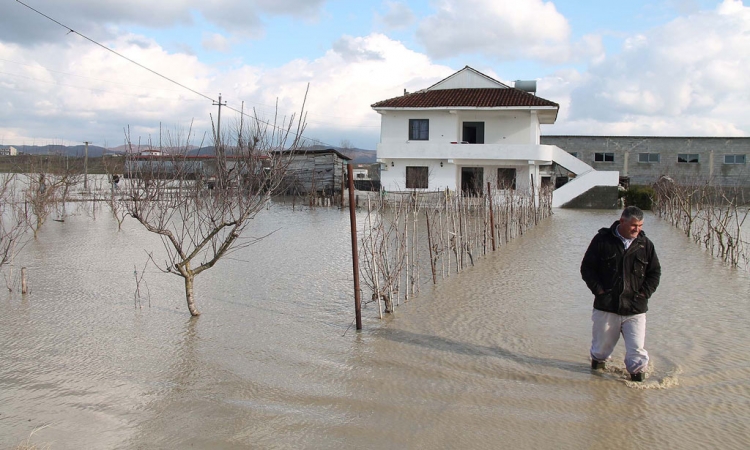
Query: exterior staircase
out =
(586, 181)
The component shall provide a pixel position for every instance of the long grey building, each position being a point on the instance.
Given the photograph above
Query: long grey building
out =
(641, 160)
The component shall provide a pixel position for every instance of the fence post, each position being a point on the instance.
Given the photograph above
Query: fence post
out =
(492, 215)
(23, 281)
(355, 254)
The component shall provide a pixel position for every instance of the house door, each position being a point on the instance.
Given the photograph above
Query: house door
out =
(473, 132)
(472, 179)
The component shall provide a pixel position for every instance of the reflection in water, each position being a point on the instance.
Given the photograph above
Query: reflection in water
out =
(495, 357)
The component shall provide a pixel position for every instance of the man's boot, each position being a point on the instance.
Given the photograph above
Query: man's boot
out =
(636, 376)
(596, 365)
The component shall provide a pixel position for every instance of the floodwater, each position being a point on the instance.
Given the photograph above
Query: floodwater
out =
(496, 357)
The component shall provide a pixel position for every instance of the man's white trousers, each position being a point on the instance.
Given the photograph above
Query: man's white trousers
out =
(606, 332)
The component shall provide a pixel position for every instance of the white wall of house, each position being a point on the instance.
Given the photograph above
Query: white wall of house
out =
(8, 151)
(394, 126)
(500, 127)
(463, 80)
(393, 176)
(359, 173)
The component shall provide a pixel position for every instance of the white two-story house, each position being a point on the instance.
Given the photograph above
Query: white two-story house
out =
(470, 129)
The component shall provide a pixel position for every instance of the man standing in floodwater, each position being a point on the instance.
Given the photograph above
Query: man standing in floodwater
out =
(621, 269)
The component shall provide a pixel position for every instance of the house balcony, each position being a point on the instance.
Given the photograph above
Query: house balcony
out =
(475, 154)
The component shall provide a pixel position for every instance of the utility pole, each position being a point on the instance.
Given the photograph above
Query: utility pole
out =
(86, 167)
(220, 157)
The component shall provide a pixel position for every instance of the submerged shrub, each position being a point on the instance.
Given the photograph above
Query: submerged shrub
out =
(640, 196)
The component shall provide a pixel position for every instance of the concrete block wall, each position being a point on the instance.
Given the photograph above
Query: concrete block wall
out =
(710, 151)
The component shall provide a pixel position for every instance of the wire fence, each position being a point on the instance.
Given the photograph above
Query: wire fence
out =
(414, 238)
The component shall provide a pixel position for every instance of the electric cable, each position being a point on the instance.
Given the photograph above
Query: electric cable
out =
(70, 30)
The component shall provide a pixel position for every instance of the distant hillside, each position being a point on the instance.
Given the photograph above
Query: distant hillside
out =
(63, 150)
(126, 148)
(358, 155)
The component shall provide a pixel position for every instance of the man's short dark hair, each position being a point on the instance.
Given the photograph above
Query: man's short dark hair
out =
(632, 212)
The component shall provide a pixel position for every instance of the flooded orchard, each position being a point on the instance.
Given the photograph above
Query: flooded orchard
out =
(494, 357)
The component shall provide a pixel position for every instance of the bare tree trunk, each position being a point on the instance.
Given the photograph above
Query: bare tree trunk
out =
(189, 277)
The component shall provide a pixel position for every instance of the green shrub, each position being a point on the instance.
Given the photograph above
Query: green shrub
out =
(640, 196)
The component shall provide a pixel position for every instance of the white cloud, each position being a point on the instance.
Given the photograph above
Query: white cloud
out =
(502, 29)
(343, 88)
(398, 15)
(84, 92)
(351, 49)
(215, 42)
(686, 77)
(92, 18)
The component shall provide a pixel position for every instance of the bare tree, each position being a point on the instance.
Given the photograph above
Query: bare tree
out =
(48, 182)
(12, 221)
(12, 224)
(200, 222)
(112, 196)
(39, 197)
(711, 215)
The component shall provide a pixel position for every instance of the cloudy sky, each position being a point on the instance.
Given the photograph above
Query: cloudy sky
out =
(636, 67)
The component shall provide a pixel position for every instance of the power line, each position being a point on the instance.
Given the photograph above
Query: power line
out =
(70, 30)
(81, 76)
(87, 88)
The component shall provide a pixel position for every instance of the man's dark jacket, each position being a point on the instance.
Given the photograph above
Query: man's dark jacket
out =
(621, 280)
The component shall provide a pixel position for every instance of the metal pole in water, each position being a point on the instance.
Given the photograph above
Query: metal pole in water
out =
(355, 254)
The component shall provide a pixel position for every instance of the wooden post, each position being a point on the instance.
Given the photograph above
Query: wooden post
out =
(492, 216)
(343, 180)
(429, 244)
(355, 254)
(23, 280)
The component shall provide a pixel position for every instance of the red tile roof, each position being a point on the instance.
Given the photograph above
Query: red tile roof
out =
(476, 98)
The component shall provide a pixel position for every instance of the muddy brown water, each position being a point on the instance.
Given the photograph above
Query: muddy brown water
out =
(496, 357)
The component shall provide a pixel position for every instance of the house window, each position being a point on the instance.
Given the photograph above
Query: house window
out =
(473, 132)
(687, 157)
(506, 178)
(604, 157)
(648, 157)
(734, 159)
(416, 177)
(419, 129)
(574, 154)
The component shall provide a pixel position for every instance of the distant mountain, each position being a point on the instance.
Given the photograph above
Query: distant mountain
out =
(358, 155)
(63, 150)
(127, 148)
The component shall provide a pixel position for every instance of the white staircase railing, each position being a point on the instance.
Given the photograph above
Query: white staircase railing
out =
(585, 179)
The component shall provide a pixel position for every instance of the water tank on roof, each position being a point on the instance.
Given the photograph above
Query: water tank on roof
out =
(526, 85)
